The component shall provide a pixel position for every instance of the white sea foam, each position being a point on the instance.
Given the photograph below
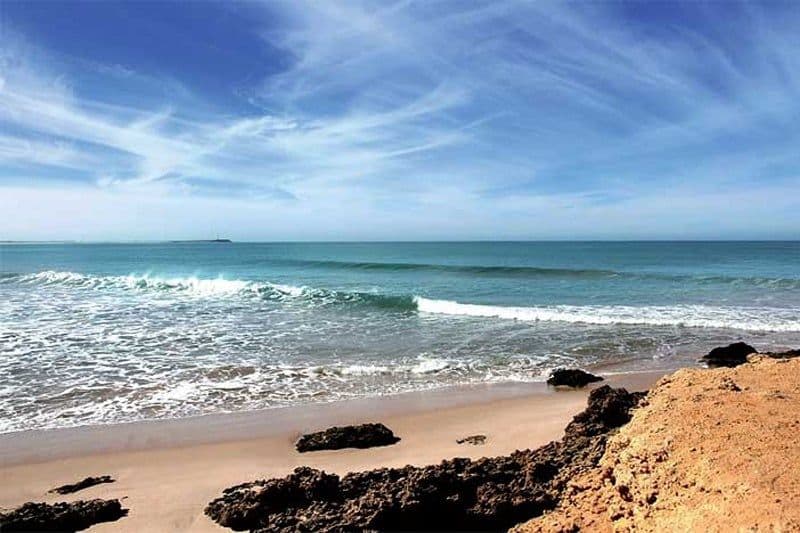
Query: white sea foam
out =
(362, 370)
(427, 365)
(289, 289)
(695, 316)
(187, 285)
(179, 393)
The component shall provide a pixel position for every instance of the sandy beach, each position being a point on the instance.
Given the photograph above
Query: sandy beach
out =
(704, 449)
(167, 471)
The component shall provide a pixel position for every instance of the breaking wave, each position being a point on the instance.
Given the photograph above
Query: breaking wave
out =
(210, 288)
(690, 316)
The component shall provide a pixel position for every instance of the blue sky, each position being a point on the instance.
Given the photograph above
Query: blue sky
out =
(399, 120)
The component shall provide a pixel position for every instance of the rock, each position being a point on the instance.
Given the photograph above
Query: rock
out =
(729, 384)
(607, 409)
(788, 354)
(571, 377)
(83, 484)
(732, 355)
(335, 438)
(475, 440)
(458, 494)
(63, 516)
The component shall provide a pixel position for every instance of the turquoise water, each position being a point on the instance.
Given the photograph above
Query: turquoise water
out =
(100, 333)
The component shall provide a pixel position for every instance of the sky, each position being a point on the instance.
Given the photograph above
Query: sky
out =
(429, 120)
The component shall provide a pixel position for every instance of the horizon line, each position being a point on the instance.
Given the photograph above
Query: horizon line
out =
(382, 241)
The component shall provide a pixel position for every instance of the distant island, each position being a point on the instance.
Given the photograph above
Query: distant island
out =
(203, 240)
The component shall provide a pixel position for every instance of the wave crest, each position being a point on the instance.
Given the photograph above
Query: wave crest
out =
(210, 288)
(692, 316)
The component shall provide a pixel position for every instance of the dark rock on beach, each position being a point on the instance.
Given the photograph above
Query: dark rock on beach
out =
(458, 494)
(729, 356)
(571, 377)
(63, 516)
(83, 484)
(608, 408)
(335, 438)
(475, 440)
(788, 354)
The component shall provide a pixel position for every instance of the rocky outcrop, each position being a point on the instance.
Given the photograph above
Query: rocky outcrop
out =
(571, 377)
(729, 356)
(608, 409)
(458, 494)
(83, 484)
(335, 438)
(710, 451)
(64, 516)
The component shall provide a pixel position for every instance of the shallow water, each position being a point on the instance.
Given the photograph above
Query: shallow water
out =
(99, 333)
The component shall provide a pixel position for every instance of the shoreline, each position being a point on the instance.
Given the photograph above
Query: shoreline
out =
(167, 471)
(41, 445)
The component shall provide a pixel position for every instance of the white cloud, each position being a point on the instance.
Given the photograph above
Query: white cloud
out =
(421, 108)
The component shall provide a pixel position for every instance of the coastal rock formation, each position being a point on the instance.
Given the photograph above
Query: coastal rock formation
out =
(571, 377)
(475, 440)
(788, 354)
(83, 484)
(63, 516)
(608, 408)
(712, 450)
(335, 438)
(458, 494)
(732, 355)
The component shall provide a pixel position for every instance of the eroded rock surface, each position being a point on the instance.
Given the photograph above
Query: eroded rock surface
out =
(335, 438)
(458, 494)
(63, 516)
(83, 484)
(571, 377)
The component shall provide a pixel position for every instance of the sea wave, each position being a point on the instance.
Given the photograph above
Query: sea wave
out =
(216, 387)
(211, 288)
(691, 316)
(534, 272)
(200, 287)
(489, 270)
(223, 286)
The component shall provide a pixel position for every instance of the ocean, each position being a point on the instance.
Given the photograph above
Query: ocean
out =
(104, 333)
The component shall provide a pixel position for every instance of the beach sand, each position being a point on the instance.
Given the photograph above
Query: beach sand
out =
(167, 471)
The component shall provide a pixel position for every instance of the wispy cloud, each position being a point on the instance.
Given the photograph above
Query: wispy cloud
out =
(498, 107)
